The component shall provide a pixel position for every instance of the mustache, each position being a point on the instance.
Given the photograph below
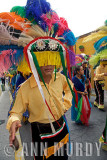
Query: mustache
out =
(50, 68)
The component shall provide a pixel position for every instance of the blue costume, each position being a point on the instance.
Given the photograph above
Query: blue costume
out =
(81, 113)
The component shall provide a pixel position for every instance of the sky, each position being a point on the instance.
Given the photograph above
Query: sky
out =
(83, 16)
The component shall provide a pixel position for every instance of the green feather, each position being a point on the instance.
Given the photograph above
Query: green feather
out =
(20, 10)
(106, 22)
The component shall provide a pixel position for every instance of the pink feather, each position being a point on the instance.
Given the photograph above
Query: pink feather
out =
(5, 61)
(63, 26)
(50, 19)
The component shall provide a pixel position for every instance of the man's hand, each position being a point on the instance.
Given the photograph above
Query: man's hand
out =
(84, 93)
(65, 111)
(14, 127)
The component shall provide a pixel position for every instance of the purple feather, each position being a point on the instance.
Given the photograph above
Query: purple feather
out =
(71, 57)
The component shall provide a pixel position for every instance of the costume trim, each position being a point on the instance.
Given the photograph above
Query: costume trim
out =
(43, 136)
(51, 150)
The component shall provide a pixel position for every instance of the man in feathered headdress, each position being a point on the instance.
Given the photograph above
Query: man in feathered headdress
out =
(99, 61)
(41, 94)
(99, 79)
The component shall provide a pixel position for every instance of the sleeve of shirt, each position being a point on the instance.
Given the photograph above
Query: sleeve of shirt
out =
(68, 95)
(18, 109)
(99, 74)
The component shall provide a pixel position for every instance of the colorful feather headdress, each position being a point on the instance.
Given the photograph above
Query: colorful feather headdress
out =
(100, 55)
(23, 24)
(97, 34)
(44, 36)
(100, 46)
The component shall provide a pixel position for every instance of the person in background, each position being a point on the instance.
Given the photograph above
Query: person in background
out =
(13, 81)
(22, 77)
(80, 113)
(3, 79)
(3, 82)
(87, 74)
(99, 80)
(62, 72)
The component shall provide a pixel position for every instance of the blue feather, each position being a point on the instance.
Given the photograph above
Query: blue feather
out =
(101, 49)
(6, 47)
(98, 43)
(18, 56)
(55, 29)
(36, 8)
(69, 38)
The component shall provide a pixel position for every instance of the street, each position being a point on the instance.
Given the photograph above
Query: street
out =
(84, 136)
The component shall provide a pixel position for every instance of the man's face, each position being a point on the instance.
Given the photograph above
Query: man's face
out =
(84, 65)
(47, 70)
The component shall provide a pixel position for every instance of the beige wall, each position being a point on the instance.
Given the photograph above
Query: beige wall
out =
(89, 50)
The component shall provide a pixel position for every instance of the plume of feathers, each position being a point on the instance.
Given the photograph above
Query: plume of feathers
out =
(36, 9)
(4, 58)
(49, 23)
(24, 23)
(20, 10)
(99, 42)
(15, 21)
(10, 55)
(98, 34)
(5, 37)
(71, 57)
(95, 36)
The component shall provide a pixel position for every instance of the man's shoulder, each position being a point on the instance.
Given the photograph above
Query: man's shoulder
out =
(59, 75)
(98, 68)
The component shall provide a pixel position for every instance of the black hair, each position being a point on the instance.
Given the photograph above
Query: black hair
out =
(77, 69)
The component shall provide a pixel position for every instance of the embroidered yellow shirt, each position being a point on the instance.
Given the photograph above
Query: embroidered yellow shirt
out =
(99, 75)
(29, 97)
